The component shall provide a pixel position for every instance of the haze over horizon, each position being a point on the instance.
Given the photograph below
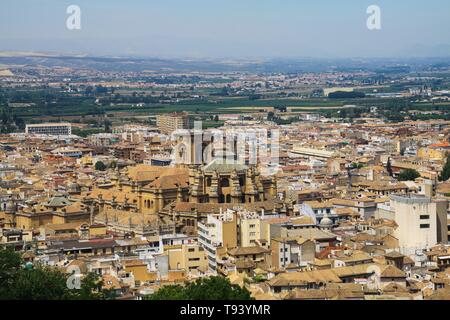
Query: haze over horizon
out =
(231, 29)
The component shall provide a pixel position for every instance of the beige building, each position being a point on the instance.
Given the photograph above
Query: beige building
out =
(168, 123)
(293, 251)
(189, 257)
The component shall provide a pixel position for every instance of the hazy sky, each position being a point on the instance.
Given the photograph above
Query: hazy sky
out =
(228, 28)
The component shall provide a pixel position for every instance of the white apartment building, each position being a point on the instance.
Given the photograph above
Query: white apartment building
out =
(211, 235)
(52, 129)
(422, 221)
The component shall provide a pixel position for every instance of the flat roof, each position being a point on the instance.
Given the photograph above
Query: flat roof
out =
(50, 124)
(410, 198)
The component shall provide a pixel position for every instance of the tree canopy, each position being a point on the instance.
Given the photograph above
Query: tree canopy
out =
(100, 166)
(408, 175)
(445, 174)
(212, 288)
(38, 282)
(346, 95)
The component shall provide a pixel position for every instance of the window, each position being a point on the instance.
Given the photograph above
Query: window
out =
(191, 249)
(224, 183)
(194, 259)
(425, 217)
(424, 226)
(252, 226)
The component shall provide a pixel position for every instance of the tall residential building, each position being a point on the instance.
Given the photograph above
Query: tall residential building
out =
(217, 233)
(231, 229)
(54, 129)
(168, 123)
(422, 221)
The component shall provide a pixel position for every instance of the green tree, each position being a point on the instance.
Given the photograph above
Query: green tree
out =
(445, 174)
(212, 288)
(107, 125)
(171, 292)
(357, 165)
(408, 175)
(389, 167)
(10, 264)
(92, 289)
(39, 282)
(100, 166)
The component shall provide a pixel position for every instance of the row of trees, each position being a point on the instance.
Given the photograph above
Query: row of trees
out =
(346, 95)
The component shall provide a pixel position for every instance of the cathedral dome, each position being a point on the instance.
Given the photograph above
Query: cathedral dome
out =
(326, 222)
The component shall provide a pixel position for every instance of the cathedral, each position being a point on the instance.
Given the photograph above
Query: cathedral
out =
(225, 181)
(166, 192)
